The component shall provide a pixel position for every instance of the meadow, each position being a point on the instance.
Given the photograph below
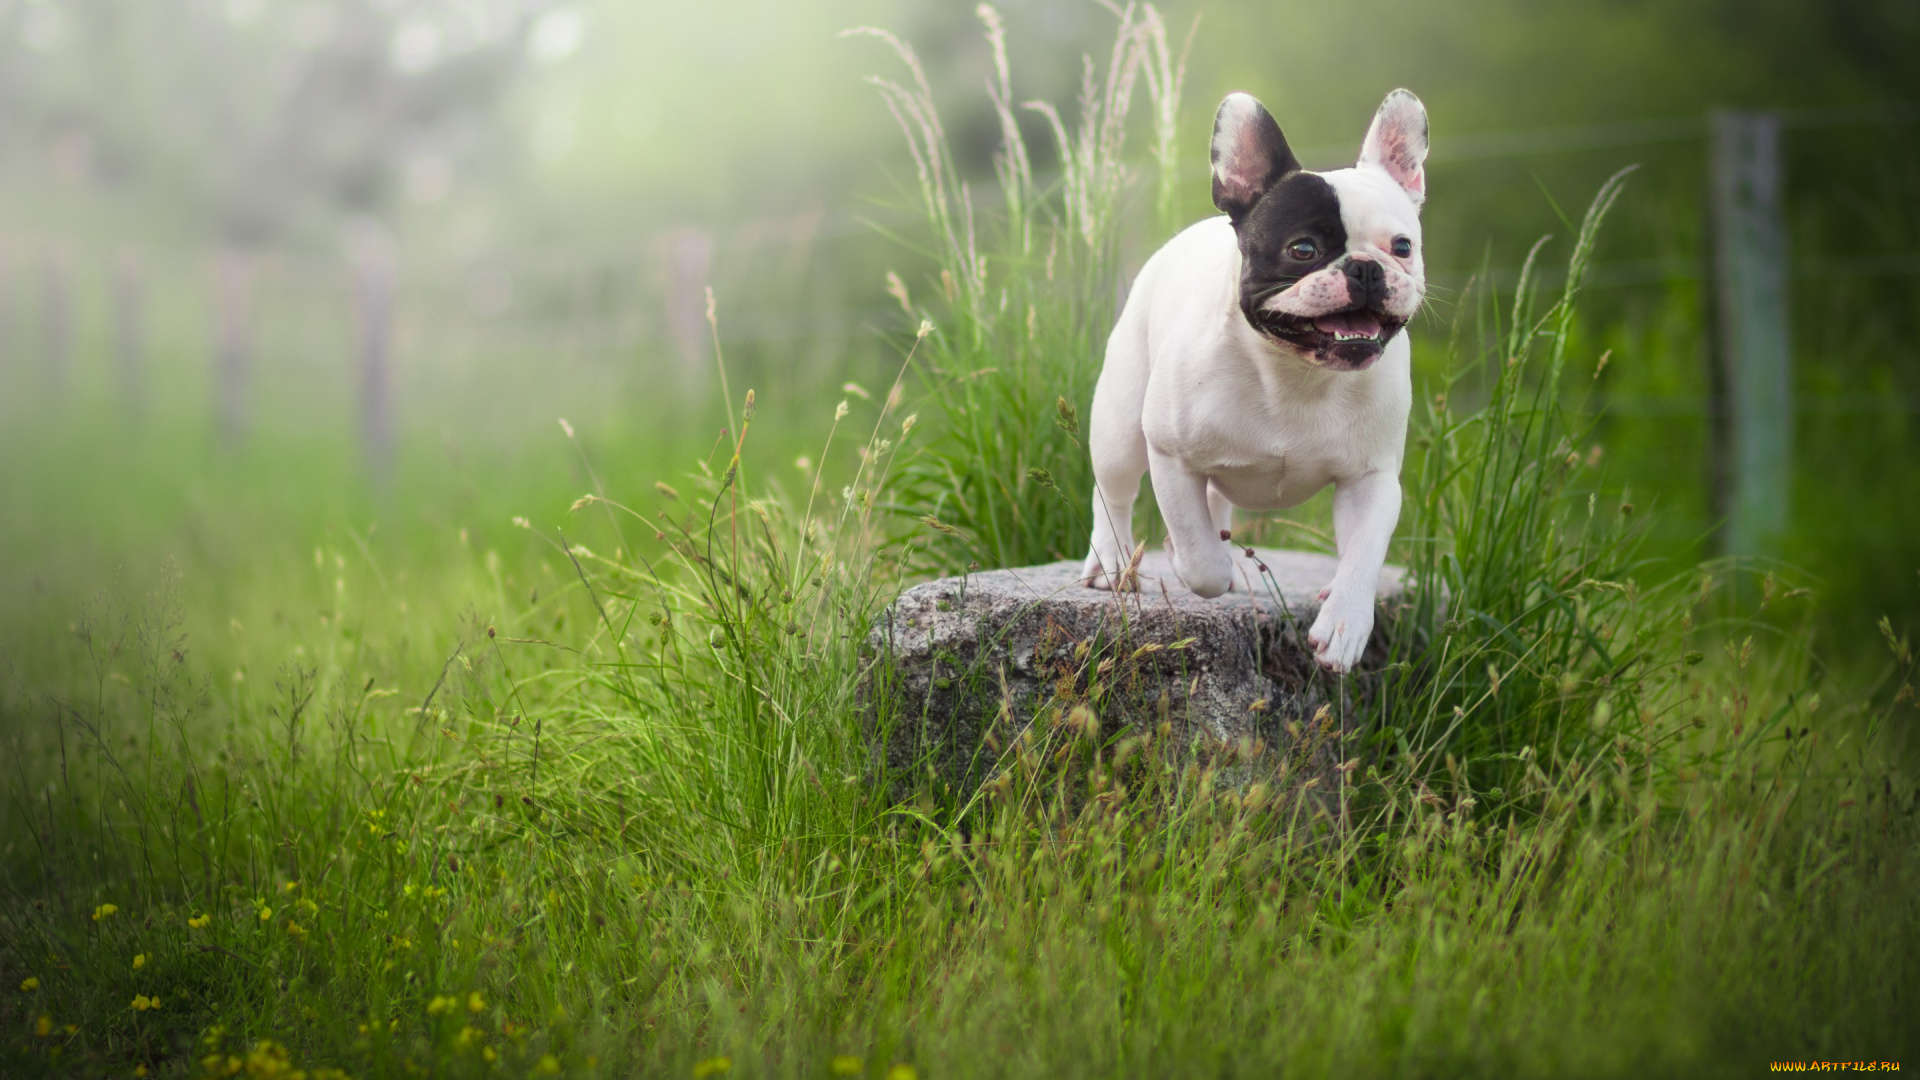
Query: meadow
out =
(550, 756)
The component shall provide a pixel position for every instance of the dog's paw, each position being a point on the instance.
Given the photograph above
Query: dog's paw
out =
(1339, 635)
(1207, 573)
(1094, 575)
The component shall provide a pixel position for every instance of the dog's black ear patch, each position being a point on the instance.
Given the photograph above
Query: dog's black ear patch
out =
(1249, 155)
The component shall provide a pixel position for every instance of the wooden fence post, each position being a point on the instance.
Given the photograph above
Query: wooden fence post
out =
(129, 310)
(689, 272)
(1755, 477)
(233, 330)
(375, 274)
(6, 306)
(57, 328)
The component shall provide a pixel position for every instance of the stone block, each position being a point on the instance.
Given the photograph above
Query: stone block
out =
(952, 659)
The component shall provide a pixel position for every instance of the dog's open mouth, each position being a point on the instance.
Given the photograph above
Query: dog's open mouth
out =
(1350, 340)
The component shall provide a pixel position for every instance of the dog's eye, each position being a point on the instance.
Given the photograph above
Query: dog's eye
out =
(1402, 247)
(1304, 249)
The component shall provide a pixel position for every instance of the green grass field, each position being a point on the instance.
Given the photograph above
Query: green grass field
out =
(548, 756)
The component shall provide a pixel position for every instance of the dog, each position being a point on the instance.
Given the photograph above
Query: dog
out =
(1263, 355)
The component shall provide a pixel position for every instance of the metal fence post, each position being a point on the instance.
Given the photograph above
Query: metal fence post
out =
(1750, 320)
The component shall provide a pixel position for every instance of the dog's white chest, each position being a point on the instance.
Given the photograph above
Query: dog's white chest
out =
(1276, 482)
(1270, 432)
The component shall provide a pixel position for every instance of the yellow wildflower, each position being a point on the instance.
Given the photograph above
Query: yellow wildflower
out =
(292, 885)
(29, 984)
(141, 1002)
(103, 911)
(296, 931)
(846, 1065)
(713, 1066)
(139, 961)
(267, 1059)
(266, 913)
(488, 1053)
(548, 1064)
(43, 1027)
(902, 1071)
(440, 1005)
(199, 922)
(475, 1002)
(140, 1070)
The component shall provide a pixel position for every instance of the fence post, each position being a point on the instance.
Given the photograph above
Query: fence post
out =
(6, 306)
(233, 330)
(1755, 477)
(58, 327)
(128, 323)
(689, 272)
(374, 274)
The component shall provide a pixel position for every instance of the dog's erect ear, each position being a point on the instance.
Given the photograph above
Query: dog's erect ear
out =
(1249, 155)
(1397, 143)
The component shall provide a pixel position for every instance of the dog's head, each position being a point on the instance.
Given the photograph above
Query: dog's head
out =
(1331, 262)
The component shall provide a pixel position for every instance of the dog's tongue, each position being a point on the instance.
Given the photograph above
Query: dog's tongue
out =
(1350, 323)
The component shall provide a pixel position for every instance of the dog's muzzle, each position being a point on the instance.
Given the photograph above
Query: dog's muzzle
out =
(1366, 284)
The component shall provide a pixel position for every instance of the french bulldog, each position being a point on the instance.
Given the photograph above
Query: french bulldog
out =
(1263, 355)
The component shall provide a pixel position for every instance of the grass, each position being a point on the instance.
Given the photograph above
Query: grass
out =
(592, 796)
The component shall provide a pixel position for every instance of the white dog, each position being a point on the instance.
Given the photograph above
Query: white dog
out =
(1260, 357)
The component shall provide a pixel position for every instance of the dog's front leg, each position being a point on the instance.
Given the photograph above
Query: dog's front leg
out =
(1199, 557)
(1365, 510)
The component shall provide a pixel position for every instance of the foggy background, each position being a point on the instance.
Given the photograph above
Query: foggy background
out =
(313, 260)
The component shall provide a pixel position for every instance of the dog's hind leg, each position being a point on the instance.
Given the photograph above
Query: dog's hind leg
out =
(1220, 510)
(1220, 513)
(1198, 555)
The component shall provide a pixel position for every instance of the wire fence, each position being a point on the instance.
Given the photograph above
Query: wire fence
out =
(631, 310)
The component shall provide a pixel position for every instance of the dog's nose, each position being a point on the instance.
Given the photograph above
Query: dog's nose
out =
(1366, 283)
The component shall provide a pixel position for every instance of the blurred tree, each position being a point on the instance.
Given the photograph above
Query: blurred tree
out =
(252, 120)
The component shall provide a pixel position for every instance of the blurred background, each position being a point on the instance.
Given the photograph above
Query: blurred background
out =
(273, 271)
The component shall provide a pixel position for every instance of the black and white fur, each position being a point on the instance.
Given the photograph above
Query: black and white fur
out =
(1263, 355)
